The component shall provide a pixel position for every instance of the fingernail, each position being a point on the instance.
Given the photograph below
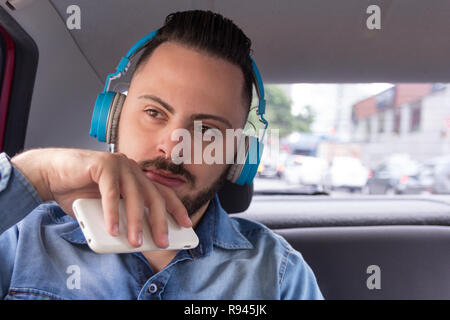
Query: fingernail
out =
(139, 238)
(165, 241)
(115, 230)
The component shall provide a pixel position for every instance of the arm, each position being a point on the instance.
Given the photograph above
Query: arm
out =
(17, 196)
(64, 175)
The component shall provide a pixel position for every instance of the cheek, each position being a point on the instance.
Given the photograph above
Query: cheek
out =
(129, 122)
(132, 140)
(206, 174)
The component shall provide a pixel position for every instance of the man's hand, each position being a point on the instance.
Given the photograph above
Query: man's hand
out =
(64, 175)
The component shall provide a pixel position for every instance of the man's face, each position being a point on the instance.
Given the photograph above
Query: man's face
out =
(174, 87)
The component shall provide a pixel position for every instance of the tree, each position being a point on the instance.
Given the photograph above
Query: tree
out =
(278, 113)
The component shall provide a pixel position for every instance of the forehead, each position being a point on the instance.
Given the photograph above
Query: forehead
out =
(192, 81)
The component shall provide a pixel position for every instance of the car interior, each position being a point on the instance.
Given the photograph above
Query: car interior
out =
(59, 71)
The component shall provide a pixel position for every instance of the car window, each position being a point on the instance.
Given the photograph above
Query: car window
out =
(372, 138)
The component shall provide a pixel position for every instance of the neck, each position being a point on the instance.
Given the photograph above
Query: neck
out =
(198, 215)
(159, 259)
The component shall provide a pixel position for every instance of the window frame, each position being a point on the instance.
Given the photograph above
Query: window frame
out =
(8, 63)
(15, 113)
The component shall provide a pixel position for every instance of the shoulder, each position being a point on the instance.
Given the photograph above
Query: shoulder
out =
(273, 247)
(259, 234)
(296, 280)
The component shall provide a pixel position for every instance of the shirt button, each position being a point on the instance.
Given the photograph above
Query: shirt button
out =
(152, 288)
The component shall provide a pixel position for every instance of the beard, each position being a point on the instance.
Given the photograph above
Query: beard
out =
(194, 203)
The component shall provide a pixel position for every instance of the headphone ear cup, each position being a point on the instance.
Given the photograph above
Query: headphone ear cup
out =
(106, 115)
(250, 168)
(243, 171)
(115, 110)
(100, 115)
(239, 160)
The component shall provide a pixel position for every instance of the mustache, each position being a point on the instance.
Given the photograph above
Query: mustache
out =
(161, 163)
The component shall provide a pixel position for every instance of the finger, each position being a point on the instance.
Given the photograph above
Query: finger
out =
(134, 205)
(174, 206)
(156, 210)
(157, 220)
(110, 194)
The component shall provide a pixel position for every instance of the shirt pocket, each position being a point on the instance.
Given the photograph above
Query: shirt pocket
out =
(30, 294)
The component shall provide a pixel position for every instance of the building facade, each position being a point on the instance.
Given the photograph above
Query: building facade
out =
(411, 119)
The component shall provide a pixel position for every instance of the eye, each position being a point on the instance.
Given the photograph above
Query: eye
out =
(154, 113)
(205, 128)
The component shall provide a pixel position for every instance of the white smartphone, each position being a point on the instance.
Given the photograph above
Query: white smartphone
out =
(89, 214)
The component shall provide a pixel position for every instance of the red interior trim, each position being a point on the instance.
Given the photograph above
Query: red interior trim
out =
(6, 82)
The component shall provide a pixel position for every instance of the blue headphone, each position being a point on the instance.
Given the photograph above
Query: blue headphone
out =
(106, 114)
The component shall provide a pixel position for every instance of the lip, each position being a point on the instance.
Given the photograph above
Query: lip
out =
(165, 179)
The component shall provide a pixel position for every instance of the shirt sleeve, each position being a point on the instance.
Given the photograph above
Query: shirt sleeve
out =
(298, 281)
(17, 196)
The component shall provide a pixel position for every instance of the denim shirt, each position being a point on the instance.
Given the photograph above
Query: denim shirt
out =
(44, 255)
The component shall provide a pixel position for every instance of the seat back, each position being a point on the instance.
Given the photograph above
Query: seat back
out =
(411, 262)
(376, 248)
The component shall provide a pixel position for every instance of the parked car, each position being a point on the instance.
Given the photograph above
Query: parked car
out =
(441, 183)
(346, 173)
(433, 177)
(392, 176)
(305, 170)
(272, 167)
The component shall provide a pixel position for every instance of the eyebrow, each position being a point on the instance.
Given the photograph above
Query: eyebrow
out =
(158, 100)
(202, 116)
(198, 116)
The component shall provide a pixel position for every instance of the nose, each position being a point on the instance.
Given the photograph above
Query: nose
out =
(169, 139)
(162, 151)
(165, 146)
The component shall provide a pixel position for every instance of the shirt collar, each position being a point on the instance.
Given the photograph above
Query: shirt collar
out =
(215, 228)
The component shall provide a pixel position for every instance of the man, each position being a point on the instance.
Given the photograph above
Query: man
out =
(196, 68)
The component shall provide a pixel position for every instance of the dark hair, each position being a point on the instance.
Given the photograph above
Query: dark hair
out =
(209, 32)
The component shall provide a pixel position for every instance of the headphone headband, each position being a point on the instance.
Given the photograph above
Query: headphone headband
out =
(125, 62)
